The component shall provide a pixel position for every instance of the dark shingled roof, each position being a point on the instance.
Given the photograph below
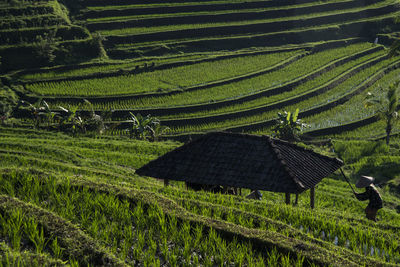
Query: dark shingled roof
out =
(244, 161)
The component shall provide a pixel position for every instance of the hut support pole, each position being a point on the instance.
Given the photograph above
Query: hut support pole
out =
(287, 198)
(166, 182)
(297, 199)
(312, 197)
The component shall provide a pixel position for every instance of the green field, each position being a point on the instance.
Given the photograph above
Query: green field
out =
(57, 187)
(76, 74)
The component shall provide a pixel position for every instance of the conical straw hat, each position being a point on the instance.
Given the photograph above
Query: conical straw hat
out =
(364, 181)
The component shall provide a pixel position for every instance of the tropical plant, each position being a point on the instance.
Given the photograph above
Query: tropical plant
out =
(288, 125)
(97, 41)
(46, 112)
(70, 117)
(142, 126)
(46, 46)
(40, 110)
(157, 131)
(93, 122)
(386, 105)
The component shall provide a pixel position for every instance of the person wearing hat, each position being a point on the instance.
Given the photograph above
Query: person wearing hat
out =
(371, 193)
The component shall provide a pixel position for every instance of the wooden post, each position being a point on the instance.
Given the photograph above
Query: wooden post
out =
(312, 197)
(240, 191)
(287, 198)
(297, 199)
(166, 182)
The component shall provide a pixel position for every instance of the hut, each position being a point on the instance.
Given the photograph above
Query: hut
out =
(244, 161)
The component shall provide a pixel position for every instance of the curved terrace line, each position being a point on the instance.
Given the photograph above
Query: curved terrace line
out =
(224, 17)
(315, 110)
(76, 240)
(145, 9)
(320, 249)
(312, 111)
(280, 104)
(269, 91)
(270, 27)
(142, 69)
(175, 91)
(93, 3)
(365, 28)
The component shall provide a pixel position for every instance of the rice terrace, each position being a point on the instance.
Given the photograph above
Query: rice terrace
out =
(199, 133)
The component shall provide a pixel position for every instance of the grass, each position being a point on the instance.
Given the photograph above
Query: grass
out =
(307, 86)
(72, 201)
(245, 87)
(160, 80)
(354, 109)
(311, 102)
(164, 15)
(158, 29)
(136, 220)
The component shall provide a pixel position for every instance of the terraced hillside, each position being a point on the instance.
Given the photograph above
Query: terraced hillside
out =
(143, 28)
(203, 66)
(198, 66)
(68, 200)
(39, 33)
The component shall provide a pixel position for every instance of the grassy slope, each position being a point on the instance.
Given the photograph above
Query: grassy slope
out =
(90, 183)
(67, 200)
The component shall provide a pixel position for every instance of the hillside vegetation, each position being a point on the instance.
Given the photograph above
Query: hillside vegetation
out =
(202, 66)
(67, 200)
(76, 74)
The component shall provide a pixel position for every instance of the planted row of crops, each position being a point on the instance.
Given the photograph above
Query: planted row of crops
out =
(137, 232)
(110, 9)
(23, 23)
(311, 87)
(316, 102)
(135, 225)
(350, 114)
(323, 78)
(354, 109)
(232, 90)
(363, 27)
(231, 16)
(147, 64)
(114, 22)
(160, 80)
(250, 25)
(262, 109)
(135, 28)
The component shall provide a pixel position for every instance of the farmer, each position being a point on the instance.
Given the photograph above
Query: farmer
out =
(371, 193)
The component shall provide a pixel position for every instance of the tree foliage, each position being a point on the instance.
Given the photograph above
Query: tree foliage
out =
(46, 46)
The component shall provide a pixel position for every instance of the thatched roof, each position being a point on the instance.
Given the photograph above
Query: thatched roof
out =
(244, 161)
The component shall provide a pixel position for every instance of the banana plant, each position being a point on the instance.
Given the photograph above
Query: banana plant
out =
(157, 131)
(141, 126)
(288, 126)
(93, 122)
(70, 117)
(46, 112)
(386, 107)
(38, 111)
